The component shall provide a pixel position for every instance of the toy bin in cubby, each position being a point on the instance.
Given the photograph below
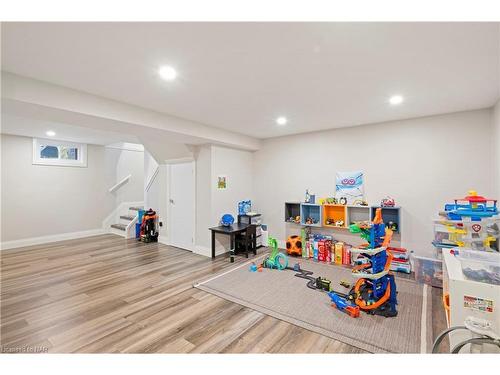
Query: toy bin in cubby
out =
(428, 269)
(310, 211)
(334, 215)
(356, 214)
(389, 215)
(292, 210)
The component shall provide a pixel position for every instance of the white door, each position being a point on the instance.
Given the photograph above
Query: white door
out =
(181, 205)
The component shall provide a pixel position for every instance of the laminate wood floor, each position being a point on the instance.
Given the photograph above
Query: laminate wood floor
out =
(105, 294)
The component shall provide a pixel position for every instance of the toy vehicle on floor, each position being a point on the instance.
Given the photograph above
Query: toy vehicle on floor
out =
(342, 304)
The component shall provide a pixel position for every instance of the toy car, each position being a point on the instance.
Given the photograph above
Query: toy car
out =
(388, 202)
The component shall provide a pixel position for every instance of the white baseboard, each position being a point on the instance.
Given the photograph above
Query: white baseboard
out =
(118, 232)
(203, 250)
(52, 238)
(163, 240)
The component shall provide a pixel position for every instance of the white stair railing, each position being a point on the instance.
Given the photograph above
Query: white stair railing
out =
(152, 179)
(119, 184)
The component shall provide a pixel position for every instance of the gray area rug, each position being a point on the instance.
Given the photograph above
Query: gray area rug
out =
(286, 297)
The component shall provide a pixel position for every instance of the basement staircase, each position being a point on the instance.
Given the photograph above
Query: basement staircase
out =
(126, 226)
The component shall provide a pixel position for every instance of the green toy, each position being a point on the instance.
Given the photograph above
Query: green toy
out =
(275, 259)
(363, 233)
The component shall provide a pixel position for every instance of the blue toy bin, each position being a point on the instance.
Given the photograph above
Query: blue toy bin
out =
(137, 230)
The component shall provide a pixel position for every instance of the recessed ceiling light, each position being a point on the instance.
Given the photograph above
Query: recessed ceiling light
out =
(396, 99)
(281, 120)
(50, 133)
(167, 73)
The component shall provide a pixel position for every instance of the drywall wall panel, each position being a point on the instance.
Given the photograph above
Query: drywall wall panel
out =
(422, 163)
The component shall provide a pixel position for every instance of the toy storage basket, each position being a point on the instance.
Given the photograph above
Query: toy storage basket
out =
(479, 266)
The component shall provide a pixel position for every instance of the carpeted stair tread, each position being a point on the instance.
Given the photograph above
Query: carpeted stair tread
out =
(127, 217)
(119, 226)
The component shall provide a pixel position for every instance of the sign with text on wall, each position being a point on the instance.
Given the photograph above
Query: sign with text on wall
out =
(350, 185)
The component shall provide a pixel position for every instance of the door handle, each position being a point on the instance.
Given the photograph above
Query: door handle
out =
(171, 201)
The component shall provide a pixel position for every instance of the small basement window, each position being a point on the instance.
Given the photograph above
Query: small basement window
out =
(61, 153)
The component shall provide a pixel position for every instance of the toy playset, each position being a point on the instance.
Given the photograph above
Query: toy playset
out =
(470, 222)
(375, 289)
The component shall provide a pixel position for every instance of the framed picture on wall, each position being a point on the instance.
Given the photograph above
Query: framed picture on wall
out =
(221, 182)
(350, 185)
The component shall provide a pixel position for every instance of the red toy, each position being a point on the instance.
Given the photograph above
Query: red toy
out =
(325, 251)
(388, 202)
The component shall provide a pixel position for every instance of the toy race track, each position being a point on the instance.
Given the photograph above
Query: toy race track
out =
(375, 289)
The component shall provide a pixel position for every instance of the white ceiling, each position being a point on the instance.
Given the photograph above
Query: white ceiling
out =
(30, 127)
(241, 76)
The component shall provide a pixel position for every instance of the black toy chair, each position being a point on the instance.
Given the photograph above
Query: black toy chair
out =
(247, 241)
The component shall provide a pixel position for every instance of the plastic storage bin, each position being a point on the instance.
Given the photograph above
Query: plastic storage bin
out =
(479, 266)
(428, 269)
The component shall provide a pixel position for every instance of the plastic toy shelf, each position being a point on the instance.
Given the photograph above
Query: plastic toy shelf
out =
(390, 215)
(357, 213)
(292, 210)
(311, 211)
(334, 216)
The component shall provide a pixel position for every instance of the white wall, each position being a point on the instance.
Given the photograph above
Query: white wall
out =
(121, 161)
(212, 203)
(496, 150)
(42, 200)
(156, 198)
(203, 204)
(237, 166)
(422, 163)
(24, 95)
